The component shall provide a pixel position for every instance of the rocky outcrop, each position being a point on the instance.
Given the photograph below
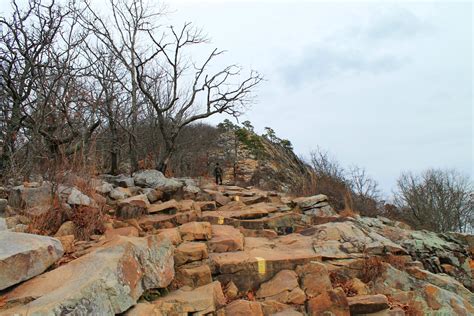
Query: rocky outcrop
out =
(228, 250)
(185, 301)
(250, 159)
(107, 281)
(23, 256)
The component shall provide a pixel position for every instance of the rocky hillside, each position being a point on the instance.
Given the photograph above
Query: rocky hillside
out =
(251, 159)
(161, 246)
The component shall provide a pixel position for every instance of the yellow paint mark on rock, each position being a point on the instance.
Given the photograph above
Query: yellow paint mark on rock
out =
(220, 220)
(261, 264)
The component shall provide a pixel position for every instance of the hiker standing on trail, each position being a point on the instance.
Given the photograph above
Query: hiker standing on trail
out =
(218, 174)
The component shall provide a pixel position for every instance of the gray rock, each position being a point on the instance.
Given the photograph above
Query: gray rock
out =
(22, 197)
(76, 197)
(309, 202)
(104, 188)
(151, 194)
(156, 180)
(23, 256)
(3, 224)
(123, 181)
(107, 281)
(191, 189)
(120, 194)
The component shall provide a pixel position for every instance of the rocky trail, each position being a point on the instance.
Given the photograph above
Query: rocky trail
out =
(181, 247)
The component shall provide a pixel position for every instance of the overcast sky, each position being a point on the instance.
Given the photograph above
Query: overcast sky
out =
(387, 86)
(383, 85)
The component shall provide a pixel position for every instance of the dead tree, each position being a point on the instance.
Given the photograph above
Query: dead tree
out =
(182, 92)
(25, 41)
(121, 34)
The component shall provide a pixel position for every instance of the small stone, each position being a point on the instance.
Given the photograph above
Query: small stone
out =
(231, 291)
(67, 228)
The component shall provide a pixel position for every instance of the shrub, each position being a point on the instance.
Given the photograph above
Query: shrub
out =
(88, 221)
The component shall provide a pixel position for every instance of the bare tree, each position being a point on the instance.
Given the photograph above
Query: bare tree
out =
(122, 35)
(439, 200)
(25, 41)
(182, 92)
(365, 191)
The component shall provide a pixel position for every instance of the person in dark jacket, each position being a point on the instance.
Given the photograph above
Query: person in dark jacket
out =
(218, 174)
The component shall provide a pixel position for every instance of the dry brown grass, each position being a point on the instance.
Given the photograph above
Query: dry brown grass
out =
(397, 262)
(88, 221)
(372, 269)
(49, 222)
(339, 279)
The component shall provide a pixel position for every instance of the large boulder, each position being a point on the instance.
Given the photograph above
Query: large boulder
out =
(24, 197)
(106, 281)
(23, 256)
(156, 180)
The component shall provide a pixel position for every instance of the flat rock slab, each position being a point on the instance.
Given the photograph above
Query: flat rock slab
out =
(23, 256)
(262, 259)
(185, 301)
(104, 282)
(366, 304)
(226, 238)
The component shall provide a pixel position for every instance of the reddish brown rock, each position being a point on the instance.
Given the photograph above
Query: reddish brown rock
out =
(129, 231)
(285, 280)
(332, 301)
(67, 242)
(207, 205)
(195, 231)
(189, 252)
(314, 278)
(231, 291)
(192, 276)
(125, 266)
(282, 288)
(203, 300)
(168, 207)
(261, 260)
(431, 293)
(172, 234)
(132, 207)
(225, 239)
(23, 256)
(244, 308)
(366, 304)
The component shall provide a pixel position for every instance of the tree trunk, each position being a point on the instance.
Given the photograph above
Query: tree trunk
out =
(13, 126)
(114, 149)
(133, 137)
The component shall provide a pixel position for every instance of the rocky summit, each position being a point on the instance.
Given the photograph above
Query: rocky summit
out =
(175, 246)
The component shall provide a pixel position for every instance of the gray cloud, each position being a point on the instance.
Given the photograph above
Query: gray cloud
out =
(320, 63)
(395, 23)
(363, 48)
